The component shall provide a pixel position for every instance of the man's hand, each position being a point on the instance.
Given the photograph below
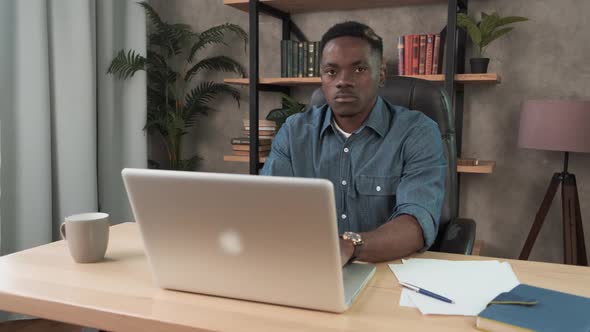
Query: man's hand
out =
(346, 250)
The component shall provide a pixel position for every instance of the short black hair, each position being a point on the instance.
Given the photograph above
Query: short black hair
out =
(353, 29)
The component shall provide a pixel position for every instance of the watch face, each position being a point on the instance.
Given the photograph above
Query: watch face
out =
(354, 237)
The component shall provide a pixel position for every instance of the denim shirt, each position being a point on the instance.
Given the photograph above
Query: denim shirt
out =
(393, 164)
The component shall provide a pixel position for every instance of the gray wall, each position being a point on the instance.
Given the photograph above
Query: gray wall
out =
(543, 58)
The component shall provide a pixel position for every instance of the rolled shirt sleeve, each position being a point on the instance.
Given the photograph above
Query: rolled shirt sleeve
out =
(421, 190)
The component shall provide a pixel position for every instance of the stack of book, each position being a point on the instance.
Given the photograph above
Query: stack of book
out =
(241, 146)
(266, 132)
(300, 58)
(420, 54)
(266, 128)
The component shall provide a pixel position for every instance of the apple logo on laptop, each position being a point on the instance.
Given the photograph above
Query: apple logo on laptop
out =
(230, 242)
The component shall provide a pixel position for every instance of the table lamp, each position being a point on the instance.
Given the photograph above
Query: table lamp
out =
(558, 125)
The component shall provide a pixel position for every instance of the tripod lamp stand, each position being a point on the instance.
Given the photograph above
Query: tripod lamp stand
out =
(558, 125)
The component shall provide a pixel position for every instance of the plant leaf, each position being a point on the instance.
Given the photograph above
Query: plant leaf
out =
(188, 164)
(495, 35)
(216, 35)
(172, 38)
(469, 25)
(207, 91)
(219, 63)
(151, 13)
(290, 107)
(198, 99)
(125, 65)
(158, 70)
(510, 19)
(487, 25)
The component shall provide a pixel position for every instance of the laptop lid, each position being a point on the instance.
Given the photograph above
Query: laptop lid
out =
(266, 239)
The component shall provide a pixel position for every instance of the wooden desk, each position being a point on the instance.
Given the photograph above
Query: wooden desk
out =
(118, 295)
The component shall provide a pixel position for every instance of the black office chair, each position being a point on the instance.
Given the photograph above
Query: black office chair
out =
(455, 235)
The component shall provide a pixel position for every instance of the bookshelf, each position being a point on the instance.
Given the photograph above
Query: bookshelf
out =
(453, 80)
(489, 78)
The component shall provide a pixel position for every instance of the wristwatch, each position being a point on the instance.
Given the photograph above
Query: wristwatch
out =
(356, 240)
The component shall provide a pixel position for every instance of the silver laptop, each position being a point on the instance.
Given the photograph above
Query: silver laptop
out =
(258, 238)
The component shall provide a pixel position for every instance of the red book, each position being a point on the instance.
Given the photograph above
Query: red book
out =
(437, 55)
(422, 59)
(415, 54)
(408, 54)
(429, 50)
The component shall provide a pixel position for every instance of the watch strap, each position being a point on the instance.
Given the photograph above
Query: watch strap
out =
(353, 256)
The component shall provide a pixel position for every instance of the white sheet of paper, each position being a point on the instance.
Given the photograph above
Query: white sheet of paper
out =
(471, 284)
(404, 299)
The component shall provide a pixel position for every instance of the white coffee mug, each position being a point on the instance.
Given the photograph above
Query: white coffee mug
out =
(87, 236)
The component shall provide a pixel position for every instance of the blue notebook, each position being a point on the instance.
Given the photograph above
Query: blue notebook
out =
(529, 308)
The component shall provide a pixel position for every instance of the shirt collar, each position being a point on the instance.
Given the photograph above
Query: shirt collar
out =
(327, 120)
(378, 119)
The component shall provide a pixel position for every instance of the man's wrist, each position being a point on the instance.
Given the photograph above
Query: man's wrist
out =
(355, 241)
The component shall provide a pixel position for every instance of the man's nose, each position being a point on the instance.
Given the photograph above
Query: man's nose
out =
(345, 80)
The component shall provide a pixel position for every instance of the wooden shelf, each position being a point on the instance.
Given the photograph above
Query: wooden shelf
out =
(463, 78)
(305, 6)
(484, 167)
(490, 78)
(241, 159)
(286, 81)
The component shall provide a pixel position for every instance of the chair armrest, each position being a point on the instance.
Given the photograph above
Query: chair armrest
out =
(459, 237)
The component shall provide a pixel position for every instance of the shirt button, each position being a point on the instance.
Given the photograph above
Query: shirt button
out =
(343, 216)
(378, 188)
(346, 150)
(343, 182)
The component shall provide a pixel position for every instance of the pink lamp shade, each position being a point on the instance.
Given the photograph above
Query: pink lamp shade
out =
(557, 125)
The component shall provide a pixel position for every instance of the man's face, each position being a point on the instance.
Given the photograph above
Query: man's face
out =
(350, 76)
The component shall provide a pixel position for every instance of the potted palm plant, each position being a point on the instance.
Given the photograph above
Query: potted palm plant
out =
(490, 28)
(175, 97)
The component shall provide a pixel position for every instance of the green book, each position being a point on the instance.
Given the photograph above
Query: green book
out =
(284, 58)
(310, 72)
(317, 59)
(300, 59)
(294, 58)
(529, 308)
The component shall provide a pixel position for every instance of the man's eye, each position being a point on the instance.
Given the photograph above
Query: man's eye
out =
(361, 69)
(330, 72)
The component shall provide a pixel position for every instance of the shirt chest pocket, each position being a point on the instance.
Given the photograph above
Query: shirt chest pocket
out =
(376, 198)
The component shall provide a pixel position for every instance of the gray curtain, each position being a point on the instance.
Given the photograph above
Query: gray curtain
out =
(66, 127)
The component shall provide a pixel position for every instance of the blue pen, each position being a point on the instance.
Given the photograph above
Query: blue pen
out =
(425, 292)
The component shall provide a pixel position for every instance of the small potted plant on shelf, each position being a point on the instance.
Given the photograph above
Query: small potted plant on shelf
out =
(490, 28)
(290, 107)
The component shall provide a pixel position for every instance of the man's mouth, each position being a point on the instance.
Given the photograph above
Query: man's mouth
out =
(345, 98)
